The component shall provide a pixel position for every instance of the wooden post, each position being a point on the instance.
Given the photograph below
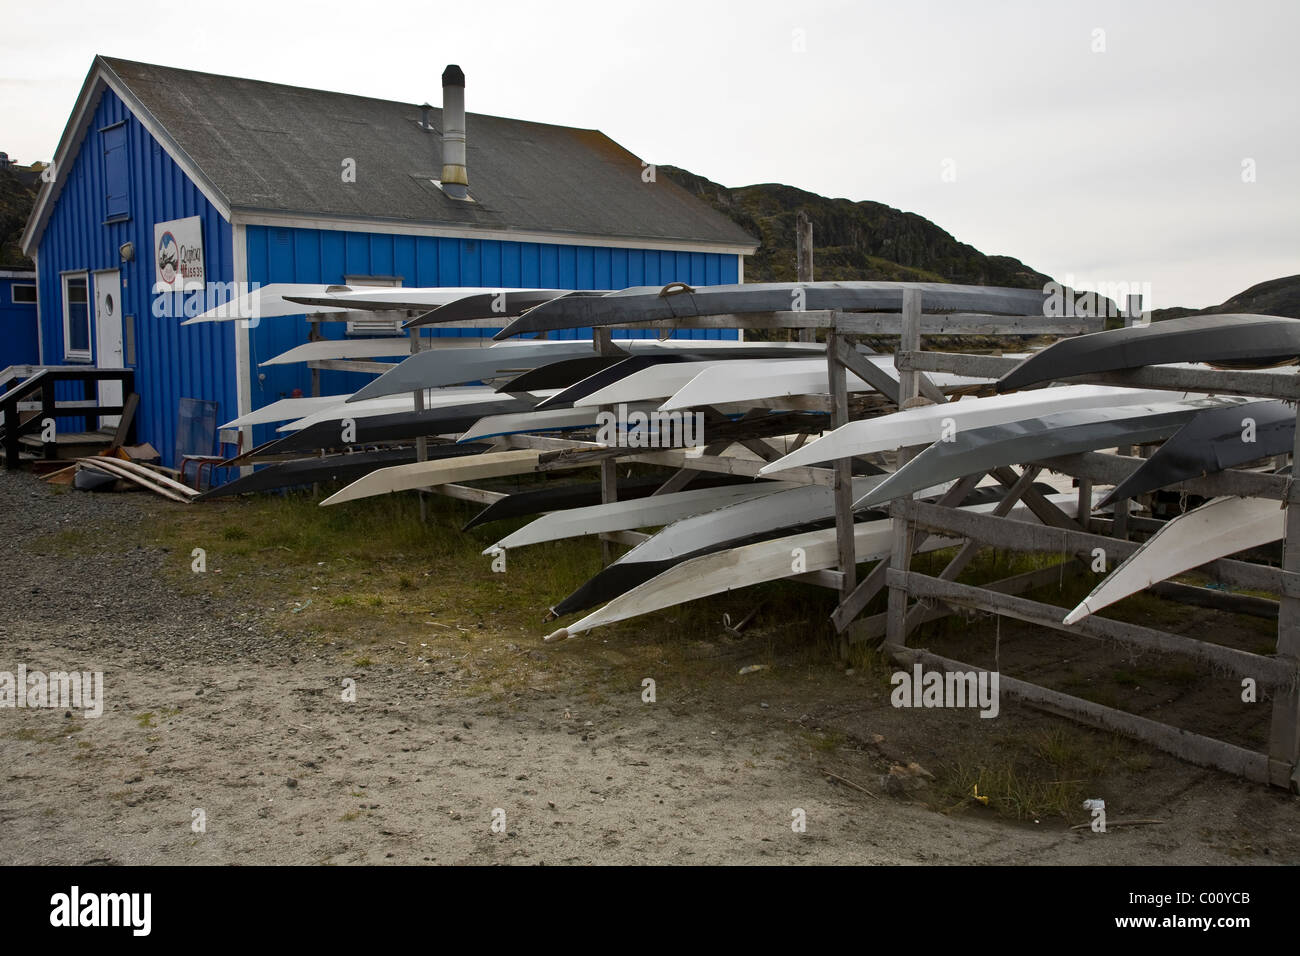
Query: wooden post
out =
(803, 243)
(843, 484)
(313, 335)
(1132, 308)
(1284, 734)
(421, 443)
(901, 557)
(603, 340)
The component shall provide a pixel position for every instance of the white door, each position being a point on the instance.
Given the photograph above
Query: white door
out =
(109, 351)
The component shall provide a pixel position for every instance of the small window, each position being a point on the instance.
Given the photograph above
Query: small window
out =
(24, 294)
(117, 200)
(128, 332)
(76, 318)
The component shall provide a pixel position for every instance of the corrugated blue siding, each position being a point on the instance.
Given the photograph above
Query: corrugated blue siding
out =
(171, 362)
(314, 255)
(18, 341)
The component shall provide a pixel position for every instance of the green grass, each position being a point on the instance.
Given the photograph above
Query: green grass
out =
(1039, 775)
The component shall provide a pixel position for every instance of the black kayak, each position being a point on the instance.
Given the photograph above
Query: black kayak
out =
(398, 426)
(491, 305)
(1214, 440)
(1233, 339)
(347, 467)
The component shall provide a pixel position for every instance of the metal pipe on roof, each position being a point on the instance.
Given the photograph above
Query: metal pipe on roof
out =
(455, 180)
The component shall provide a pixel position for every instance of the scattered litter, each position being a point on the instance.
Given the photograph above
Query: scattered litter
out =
(847, 782)
(301, 607)
(752, 669)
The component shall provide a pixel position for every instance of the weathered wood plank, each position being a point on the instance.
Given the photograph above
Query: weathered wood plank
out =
(1024, 536)
(1266, 670)
(1194, 748)
(1264, 384)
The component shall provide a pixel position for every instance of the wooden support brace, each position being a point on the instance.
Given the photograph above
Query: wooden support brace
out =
(851, 606)
(1194, 748)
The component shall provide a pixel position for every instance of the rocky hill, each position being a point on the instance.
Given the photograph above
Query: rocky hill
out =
(17, 196)
(853, 240)
(1274, 297)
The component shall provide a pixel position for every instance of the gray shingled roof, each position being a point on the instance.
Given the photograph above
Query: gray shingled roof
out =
(279, 148)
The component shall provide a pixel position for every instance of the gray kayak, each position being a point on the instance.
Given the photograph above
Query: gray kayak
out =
(1219, 339)
(1048, 436)
(439, 367)
(436, 368)
(647, 303)
(1214, 440)
(491, 305)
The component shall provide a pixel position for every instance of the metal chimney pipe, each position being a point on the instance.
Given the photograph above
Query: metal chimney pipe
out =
(455, 180)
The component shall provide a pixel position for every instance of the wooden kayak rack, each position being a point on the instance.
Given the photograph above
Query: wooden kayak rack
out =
(914, 598)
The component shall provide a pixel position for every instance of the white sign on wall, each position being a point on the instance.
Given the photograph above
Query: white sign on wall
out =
(178, 255)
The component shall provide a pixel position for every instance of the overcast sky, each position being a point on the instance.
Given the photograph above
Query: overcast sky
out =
(1099, 140)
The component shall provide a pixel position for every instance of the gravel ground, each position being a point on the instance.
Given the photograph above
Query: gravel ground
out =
(213, 716)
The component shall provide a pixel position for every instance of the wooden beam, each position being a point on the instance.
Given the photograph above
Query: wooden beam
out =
(1263, 384)
(1194, 748)
(837, 373)
(872, 629)
(1266, 670)
(1284, 729)
(803, 249)
(1028, 536)
(971, 548)
(851, 606)
(1112, 469)
(1044, 510)
(878, 323)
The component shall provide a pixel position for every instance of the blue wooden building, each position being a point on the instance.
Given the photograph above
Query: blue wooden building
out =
(167, 175)
(19, 337)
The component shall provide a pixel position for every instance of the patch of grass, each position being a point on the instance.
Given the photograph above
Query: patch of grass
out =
(146, 719)
(234, 532)
(1036, 776)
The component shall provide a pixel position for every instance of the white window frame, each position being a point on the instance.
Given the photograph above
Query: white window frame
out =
(22, 285)
(69, 353)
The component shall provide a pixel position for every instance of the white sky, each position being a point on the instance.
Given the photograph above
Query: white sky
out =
(1122, 165)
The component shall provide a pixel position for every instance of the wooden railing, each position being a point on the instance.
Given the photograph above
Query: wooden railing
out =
(27, 405)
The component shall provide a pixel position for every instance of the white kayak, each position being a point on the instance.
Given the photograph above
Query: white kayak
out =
(757, 563)
(423, 474)
(267, 301)
(739, 380)
(442, 398)
(327, 349)
(637, 513)
(931, 423)
(1215, 530)
(286, 409)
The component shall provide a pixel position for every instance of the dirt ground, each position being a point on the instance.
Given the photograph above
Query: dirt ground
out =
(228, 707)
